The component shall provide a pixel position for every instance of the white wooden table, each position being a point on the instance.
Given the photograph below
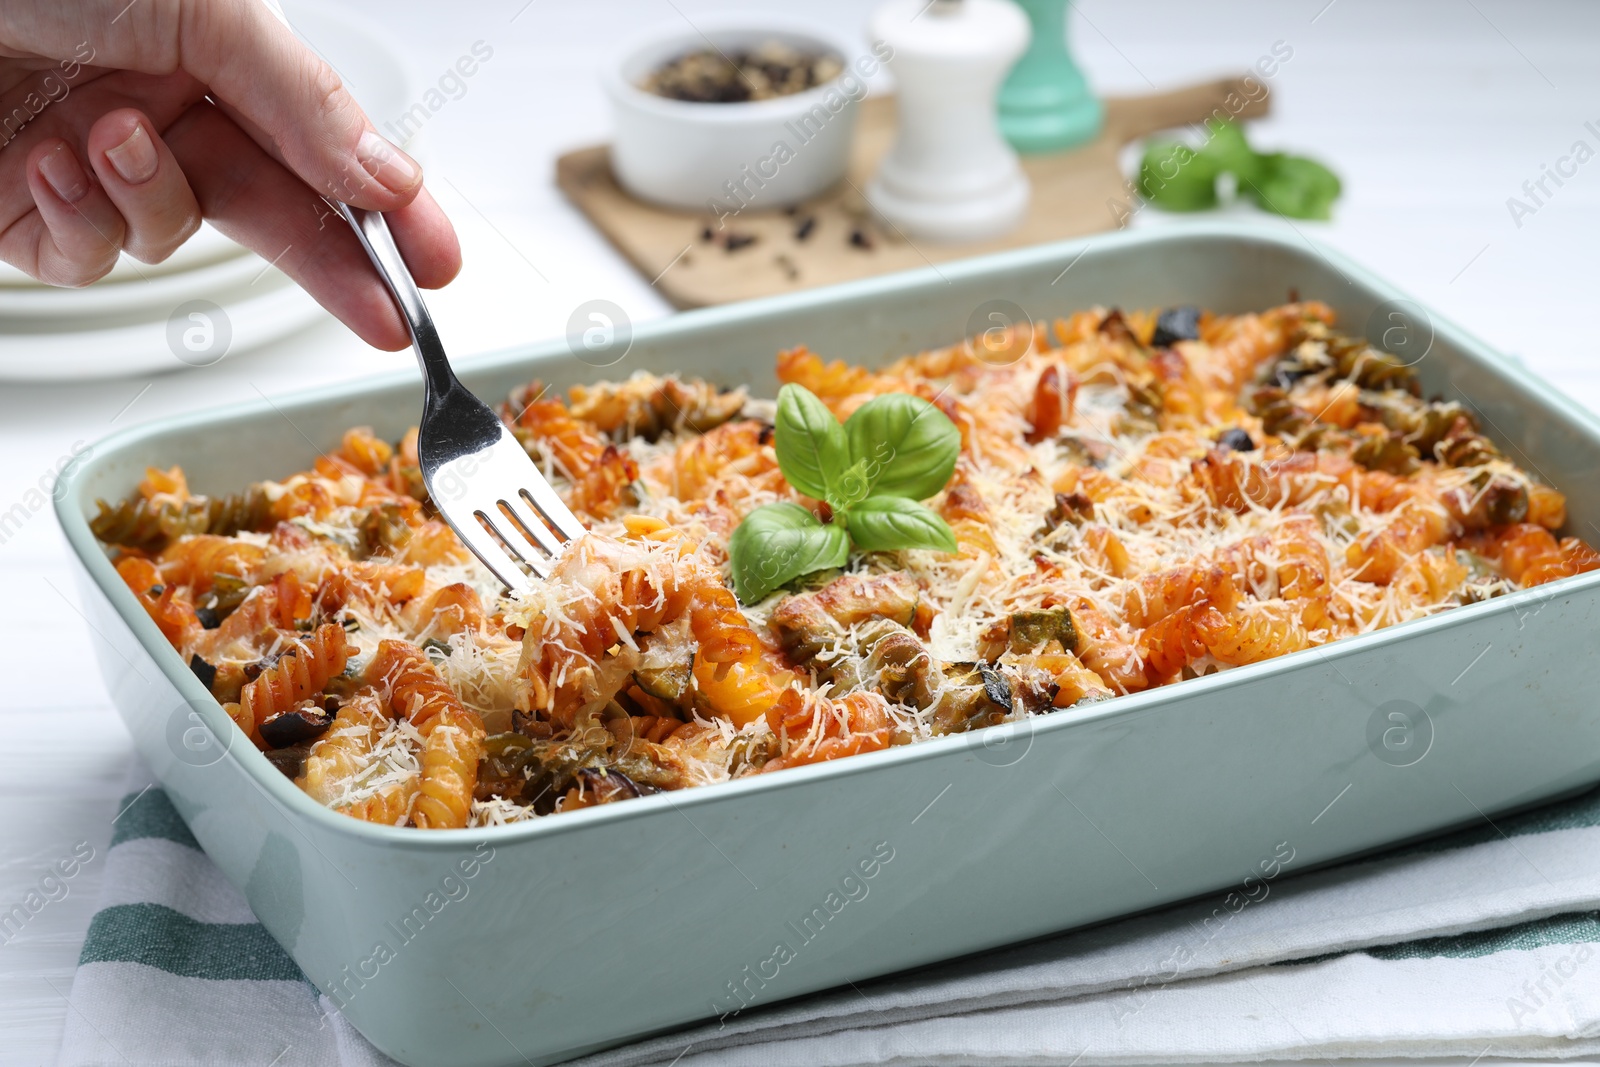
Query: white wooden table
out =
(1434, 113)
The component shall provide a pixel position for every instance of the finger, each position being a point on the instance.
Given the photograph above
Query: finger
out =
(251, 198)
(249, 59)
(295, 101)
(419, 227)
(161, 97)
(78, 231)
(427, 241)
(144, 181)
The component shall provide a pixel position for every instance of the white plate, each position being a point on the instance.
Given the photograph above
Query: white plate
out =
(43, 307)
(257, 314)
(205, 248)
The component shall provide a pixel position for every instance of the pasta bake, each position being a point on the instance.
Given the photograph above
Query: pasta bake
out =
(1114, 501)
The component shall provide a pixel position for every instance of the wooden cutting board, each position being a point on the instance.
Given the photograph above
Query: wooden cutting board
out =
(1076, 192)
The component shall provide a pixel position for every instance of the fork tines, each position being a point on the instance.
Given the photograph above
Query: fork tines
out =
(502, 508)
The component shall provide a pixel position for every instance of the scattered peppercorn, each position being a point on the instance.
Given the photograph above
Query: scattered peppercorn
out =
(860, 238)
(770, 69)
(803, 230)
(737, 241)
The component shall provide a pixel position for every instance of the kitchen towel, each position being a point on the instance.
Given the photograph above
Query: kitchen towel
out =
(1485, 943)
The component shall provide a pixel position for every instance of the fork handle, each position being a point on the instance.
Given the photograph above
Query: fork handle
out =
(465, 434)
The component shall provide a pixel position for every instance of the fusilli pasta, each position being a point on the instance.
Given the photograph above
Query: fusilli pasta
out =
(1131, 508)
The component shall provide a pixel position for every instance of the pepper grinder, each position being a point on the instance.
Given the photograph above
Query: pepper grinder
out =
(1045, 104)
(950, 177)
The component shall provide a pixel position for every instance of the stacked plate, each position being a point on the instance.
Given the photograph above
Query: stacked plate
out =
(211, 298)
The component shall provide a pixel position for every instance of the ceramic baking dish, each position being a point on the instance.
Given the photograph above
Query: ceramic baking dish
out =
(540, 941)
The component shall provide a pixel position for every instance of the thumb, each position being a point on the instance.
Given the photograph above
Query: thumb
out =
(293, 102)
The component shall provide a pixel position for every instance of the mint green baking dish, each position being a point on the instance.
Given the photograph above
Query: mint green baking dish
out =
(583, 931)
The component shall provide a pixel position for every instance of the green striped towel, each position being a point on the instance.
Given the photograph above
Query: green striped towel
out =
(1484, 943)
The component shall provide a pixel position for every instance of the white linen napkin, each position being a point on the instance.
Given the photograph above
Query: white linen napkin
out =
(1482, 944)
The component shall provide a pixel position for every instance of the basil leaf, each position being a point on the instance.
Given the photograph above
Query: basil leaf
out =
(887, 523)
(777, 543)
(1177, 178)
(1295, 186)
(1228, 151)
(852, 487)
(1174, 178)
(907, 446)
(811, 446)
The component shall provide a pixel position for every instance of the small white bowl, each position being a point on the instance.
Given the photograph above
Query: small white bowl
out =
(725, 158)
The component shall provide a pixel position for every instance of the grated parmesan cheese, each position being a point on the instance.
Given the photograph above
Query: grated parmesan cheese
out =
(1092, 516)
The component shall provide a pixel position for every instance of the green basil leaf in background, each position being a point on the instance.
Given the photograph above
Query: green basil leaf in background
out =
(1295, 186)
(1174, 178)
(1228, 152)
(889, 523)
(811, 446)
(777, 543)
(908, 447)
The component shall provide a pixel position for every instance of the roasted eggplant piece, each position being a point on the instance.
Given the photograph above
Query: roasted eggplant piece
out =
(647, 406)
(960, 696)
(1176, 324)
(807, 623)
(1030, 630)
(540, 771)
(666, 667)
(972, 695)
(1074, 508)
(1236, 440)
(304, 722)
(203, 671)
(382, 529)
(591, 786)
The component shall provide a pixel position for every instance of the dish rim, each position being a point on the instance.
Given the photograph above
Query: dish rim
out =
(73, 519)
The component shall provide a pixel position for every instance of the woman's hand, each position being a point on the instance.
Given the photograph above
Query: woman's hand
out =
(123, 124)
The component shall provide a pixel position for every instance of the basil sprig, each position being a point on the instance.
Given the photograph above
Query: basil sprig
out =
(1176, 177)
(895, 450)
(812, 451)
(776, 543)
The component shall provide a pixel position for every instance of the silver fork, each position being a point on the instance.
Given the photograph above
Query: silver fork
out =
(479, 477)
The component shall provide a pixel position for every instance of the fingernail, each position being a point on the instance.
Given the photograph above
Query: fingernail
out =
(135, 159)
(393, 169)
(63, 173)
